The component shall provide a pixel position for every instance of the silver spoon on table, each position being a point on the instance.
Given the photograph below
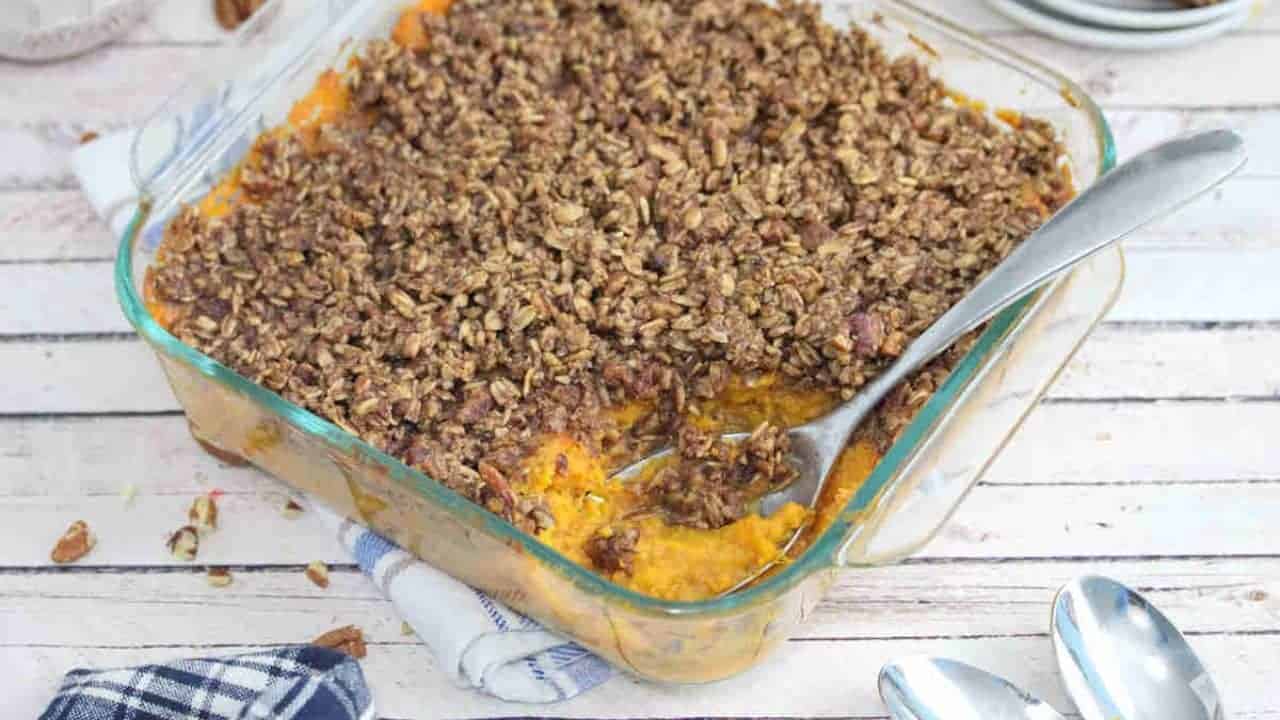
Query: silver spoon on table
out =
(929, 688)
(1119, 657)
(1145, 188)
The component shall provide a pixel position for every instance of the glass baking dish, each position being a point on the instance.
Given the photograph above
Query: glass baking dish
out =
(204, 130)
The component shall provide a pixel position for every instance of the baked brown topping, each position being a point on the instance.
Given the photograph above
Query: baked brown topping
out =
(563, 206)
(613, 549)
(712, 479)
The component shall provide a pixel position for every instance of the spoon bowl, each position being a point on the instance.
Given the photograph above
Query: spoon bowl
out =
(1121, 659)
(927, 688)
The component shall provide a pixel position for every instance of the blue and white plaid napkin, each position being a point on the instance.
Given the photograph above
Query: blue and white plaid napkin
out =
(481, 643)
(295, 683)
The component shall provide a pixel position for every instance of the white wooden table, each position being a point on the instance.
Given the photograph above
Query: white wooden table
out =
(1155, 460)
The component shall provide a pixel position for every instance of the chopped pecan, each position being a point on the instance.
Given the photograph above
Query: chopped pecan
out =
(318, 573)
(348, 639)
(184, 543)
(203, 513)
(219, 576)
(74, 544)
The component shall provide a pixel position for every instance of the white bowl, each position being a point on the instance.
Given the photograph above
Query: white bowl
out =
(39, 30)
(1143, 14)
(1039, 18)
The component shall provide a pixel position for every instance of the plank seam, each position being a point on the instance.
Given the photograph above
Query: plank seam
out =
(841, 639)
(165, 569)
(1133, 484)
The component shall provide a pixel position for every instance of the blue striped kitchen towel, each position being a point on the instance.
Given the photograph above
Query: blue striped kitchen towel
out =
(294, 683)
(478, 640)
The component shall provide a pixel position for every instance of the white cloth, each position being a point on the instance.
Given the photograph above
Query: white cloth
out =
(479, 641)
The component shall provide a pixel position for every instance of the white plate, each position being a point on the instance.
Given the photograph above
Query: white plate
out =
(38, 30)
(1063, 28)
(1144, 14)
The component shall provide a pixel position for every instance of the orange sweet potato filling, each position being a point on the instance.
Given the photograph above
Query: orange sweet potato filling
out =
(671, 562)
(681, 563)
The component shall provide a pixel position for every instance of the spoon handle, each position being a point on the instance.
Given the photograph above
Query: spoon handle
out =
(1149, 186)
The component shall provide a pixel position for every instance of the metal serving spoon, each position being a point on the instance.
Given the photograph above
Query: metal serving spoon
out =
(927, 688)
(1143, 189)
(1121, 658)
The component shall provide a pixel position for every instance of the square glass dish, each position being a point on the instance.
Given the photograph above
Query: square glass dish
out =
(207, 128)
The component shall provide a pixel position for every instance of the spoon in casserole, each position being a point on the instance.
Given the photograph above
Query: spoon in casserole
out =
(1147, 187)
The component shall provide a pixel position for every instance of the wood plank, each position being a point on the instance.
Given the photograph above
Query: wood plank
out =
(1091, 444)
(1239, 214)
(99, 88)
(1112, 520)
(102, 86)
(37, 135)
(965, 599)
(60, 225)
(1161, 285)
(1190, 284)
(63, 298)
(1161, 79)
(1111, 443)
(38, 147)
(175, 22)
(915, 601)
(251, 529)
(821, 679)
(105, 455)
(67, 377)
(1137, 130)
(102, 89)
(51, 225)
(1172, 362)
(1117, 362)
(1227, 519)
(36, 152)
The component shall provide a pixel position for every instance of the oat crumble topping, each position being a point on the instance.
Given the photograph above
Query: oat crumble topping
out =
(562, 206)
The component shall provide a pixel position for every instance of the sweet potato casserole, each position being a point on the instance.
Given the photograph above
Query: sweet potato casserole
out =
(522, 243)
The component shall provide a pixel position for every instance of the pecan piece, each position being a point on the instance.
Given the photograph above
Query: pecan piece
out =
(318, 573)
(74, 544)
(184, 543)
(348, 639)
(219, 577)
(203, 513)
